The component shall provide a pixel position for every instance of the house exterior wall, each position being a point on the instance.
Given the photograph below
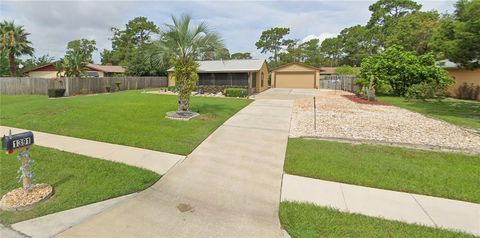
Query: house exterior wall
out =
(43, 74)
(264, 71)
(462, 76)
(171, 79)
(296, 69)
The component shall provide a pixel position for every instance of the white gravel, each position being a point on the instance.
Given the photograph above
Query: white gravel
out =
(338, 117)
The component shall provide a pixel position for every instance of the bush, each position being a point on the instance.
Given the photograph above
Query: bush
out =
(425, 91)
(172, 88)
(400, 69)
(56, 92)
(108, 89)
(468, 91)
(236, 92)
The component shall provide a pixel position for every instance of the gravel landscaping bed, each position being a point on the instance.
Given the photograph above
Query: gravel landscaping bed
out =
(339, 117)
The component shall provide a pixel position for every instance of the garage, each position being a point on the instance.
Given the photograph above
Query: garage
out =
(295, 75)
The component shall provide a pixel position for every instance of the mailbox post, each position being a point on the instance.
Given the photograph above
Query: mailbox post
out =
(17, 142)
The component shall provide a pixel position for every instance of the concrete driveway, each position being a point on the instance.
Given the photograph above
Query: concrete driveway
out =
(228, 187)
(288, 93)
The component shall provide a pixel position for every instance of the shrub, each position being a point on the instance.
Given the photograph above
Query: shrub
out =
(56, 92)
(468, 91)
(236, 92)
(172, 88)
(400, 69)
(425, 90)
(108, 89)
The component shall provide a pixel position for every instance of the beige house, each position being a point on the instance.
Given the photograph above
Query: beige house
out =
(92, 70)
(295, 75)
(252, 74)
(461, 77)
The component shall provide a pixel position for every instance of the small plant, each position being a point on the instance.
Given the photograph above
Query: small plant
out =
(236, 92)
(56, 92)
(108, 89)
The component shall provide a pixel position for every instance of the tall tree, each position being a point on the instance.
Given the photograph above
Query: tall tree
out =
(79, 54)
(272, 41)
(357, 43)
(241, 55)
(128, 40)
(459, 35)
(15, 43)
(147, 60)
(4, 67)
(386, 13)
(183, 42)
(414, 32)
(311, 52)
(331, 50)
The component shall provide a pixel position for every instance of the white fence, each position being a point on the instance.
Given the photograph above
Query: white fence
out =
(339, 82)
(73, 86)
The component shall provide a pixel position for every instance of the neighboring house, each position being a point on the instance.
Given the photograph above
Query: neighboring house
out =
(461, 77)
(92, 70)
(252, 74)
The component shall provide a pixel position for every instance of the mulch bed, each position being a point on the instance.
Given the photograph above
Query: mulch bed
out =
(356, 99)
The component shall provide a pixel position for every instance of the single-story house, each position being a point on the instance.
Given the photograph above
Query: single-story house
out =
(461, 77)
(92, 70)
(295, 75)
(252, 74)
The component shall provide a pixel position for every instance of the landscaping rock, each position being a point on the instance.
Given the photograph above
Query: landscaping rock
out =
(18, 199)
(339, 117)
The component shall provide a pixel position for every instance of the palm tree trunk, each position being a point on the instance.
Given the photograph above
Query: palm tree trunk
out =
(13, 65)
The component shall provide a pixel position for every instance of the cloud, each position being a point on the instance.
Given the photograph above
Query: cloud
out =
(320, 37)
(53, 23)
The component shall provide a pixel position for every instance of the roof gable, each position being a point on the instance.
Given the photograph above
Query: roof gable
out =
(295, 67)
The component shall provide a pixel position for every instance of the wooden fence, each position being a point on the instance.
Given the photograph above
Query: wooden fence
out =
(339, 82)
(73, 86)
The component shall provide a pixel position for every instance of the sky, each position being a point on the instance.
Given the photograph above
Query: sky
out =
(53, 24)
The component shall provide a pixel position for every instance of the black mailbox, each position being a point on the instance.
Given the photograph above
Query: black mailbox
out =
(17, 141)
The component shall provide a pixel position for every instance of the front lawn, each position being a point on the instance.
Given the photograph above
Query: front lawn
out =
(450, 175)
(128, 118)
(460, 112)
(77, 180)
(302, 220)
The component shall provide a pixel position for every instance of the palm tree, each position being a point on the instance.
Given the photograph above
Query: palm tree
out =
(184, 44)
(14, 41)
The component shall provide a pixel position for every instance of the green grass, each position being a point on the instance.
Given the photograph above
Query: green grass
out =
(303, 220)
(127, 118)
(77, 180)
(460, 112)
(449, 175)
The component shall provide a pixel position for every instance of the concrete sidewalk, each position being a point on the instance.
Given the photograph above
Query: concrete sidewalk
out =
(392, 205)
(228, 187)
(155, 161)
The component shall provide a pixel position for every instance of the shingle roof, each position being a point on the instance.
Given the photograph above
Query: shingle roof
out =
(327, 70)
(97, 67)
(217, 66)
(107, 68)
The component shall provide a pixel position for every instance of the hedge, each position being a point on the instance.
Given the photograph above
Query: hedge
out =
(236, 92)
